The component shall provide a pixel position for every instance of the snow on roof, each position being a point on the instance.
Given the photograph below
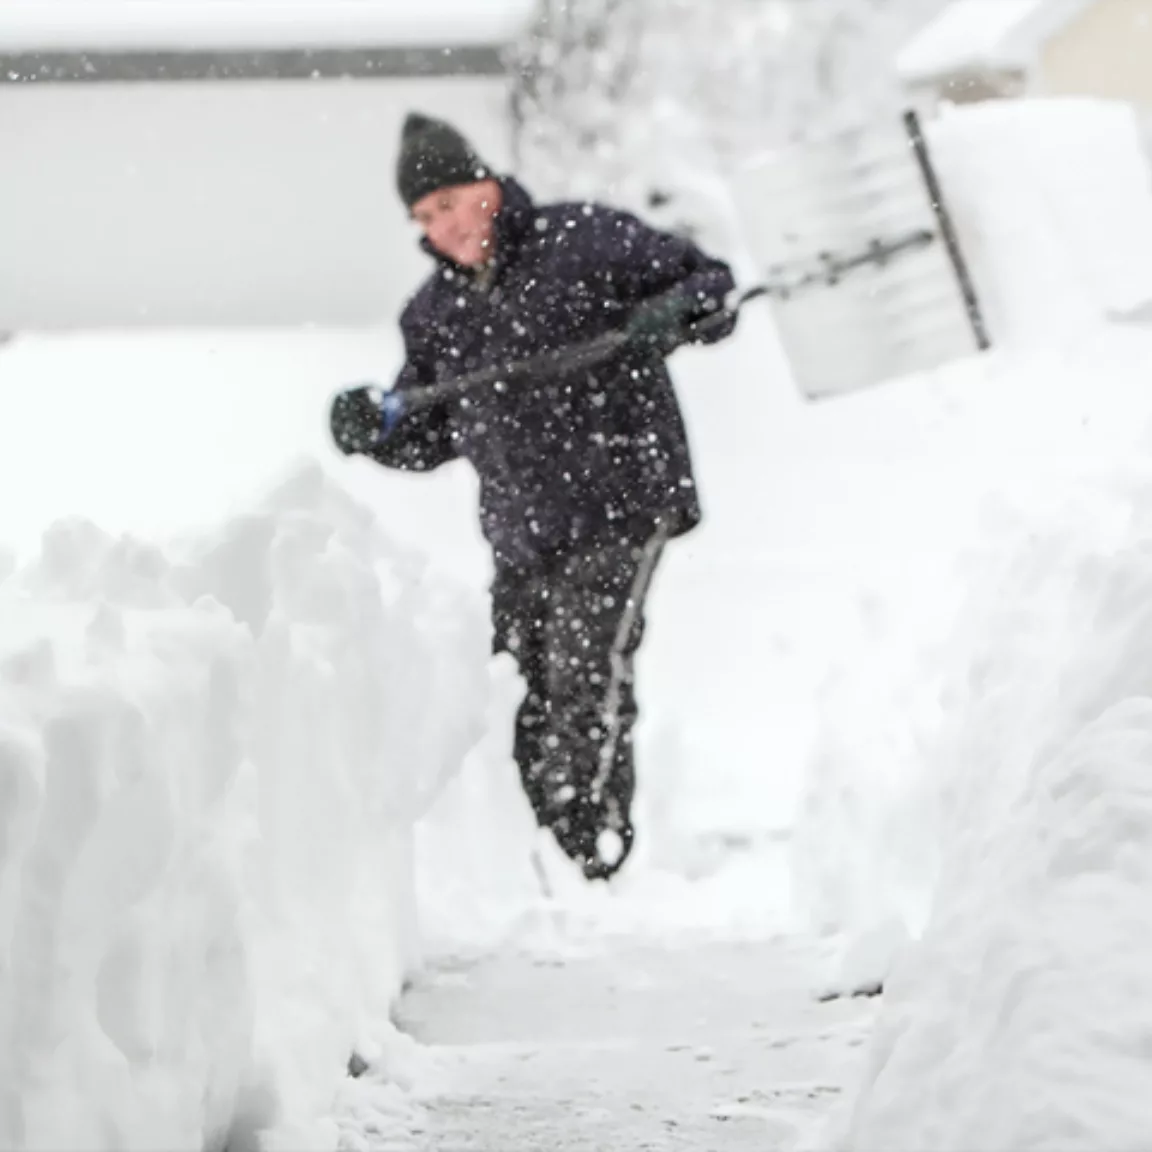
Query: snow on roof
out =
(971, 34)
(173, 25)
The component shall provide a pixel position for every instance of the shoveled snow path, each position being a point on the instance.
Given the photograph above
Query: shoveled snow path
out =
(689, 1044)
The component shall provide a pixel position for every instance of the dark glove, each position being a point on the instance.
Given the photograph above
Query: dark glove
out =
(362, 417)
(660, 325)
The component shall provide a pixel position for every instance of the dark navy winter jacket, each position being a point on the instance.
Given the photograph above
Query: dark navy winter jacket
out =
(578, 456)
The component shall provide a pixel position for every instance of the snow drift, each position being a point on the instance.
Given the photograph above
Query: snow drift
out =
(1018, 1020)
(211, 760)
(1018, 446)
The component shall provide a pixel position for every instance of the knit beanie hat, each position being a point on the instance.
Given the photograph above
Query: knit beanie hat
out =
(433, 155)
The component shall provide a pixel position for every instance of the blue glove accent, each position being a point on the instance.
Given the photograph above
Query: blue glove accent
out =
(391, 413)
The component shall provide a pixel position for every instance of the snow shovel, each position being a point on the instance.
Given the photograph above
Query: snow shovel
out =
(355, 424)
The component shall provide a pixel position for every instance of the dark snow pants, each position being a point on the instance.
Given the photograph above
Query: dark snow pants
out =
(574, 629)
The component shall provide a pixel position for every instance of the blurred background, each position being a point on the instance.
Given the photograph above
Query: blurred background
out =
(229, 162)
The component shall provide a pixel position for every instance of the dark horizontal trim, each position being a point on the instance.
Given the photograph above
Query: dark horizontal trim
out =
(273, 64)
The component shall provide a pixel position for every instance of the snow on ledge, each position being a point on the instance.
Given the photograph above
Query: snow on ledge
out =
(210, 767)
(971, 35)
(94, 25)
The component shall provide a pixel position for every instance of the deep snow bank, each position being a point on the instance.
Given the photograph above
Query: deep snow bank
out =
(1020, 1018)
(1013, 451)
(210, 765)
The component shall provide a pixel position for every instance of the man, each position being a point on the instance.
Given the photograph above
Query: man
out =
(584, 466)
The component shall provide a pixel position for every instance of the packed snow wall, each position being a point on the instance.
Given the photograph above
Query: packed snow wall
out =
(1018, 1018)
(211, 760)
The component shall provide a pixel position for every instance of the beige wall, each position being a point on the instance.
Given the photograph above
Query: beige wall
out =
(206, 204)
(1106, 51)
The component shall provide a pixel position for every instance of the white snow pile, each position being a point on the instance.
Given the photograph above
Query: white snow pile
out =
(1017, 447)
(1020, 1018)
(211, 760)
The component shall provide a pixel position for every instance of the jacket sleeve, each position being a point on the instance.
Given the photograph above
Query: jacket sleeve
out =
(422, 440)
(645, 263)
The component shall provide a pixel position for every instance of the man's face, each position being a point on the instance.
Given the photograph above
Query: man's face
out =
(458, 220)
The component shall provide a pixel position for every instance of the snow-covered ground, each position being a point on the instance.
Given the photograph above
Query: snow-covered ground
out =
(255, 758)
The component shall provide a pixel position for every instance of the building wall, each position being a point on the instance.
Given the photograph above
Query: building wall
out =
(1106, 51)
(974, 87)
(224, 203)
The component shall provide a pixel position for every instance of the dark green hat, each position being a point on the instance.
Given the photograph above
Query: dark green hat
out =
(433, 155)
